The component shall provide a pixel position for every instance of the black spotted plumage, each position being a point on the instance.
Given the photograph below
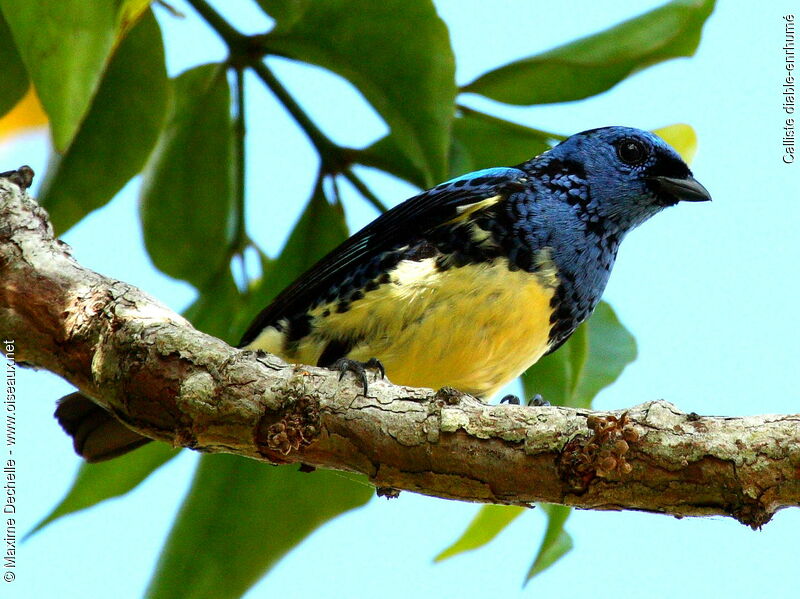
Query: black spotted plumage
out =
(572, 201)
(405, 232)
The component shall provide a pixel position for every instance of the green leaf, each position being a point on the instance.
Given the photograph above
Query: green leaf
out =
(274, 508)
(477, 134)
(320, 229)
(239, 519)
(609, 349)
(130, 11)
(596, 63)
(119, 131)
(556, 542)
(285, 12)
(95, 483)
(474, 146)
(485, 526)
(15, 78)
(386, 155)
(396, 52)
(592, 359)
(221, 307)
(214, 309)
(187, 191)
(65, 46)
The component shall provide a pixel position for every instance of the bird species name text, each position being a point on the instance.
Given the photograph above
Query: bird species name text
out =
(788, 90)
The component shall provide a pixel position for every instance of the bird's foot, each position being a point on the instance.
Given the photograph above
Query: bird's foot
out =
(535, 401)
(388, 492)
(344, 365)
(538, 401)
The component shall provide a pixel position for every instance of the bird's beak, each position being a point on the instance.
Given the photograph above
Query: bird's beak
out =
(688, 189)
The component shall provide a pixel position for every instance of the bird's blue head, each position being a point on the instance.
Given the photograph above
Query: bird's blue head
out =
(629, 174)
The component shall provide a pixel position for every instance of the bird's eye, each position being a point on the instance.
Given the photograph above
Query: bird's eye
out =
(631, 151)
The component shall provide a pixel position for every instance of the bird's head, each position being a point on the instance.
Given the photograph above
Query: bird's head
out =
(630, 174)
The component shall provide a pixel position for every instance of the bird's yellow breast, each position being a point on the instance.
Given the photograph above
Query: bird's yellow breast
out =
(473, 327)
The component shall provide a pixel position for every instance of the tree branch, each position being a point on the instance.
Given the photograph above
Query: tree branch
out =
(170, 382)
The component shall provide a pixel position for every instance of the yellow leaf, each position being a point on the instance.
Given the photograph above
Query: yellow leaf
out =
(682, 138)
(26, 115)
(129, 14)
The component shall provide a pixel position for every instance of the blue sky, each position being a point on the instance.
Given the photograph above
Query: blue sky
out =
(708, 290)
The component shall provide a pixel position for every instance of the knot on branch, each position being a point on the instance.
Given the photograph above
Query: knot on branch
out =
(297, 426)
(448, 396)
(751, 512)
(22, 177)
(599, 453)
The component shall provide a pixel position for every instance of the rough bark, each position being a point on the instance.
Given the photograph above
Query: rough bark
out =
(166, 380)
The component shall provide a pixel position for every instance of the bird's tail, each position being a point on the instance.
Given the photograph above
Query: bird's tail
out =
(96, 434)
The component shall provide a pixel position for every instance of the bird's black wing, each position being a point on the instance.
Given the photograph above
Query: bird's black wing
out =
(415, 216)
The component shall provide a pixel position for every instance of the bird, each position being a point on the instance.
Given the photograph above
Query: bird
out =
(466, 284)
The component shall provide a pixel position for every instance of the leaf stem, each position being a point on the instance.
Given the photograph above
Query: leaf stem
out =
(240, 239)
(364, 190)
(232, 38)
(466, 110)
(334, 158)
(330, 154)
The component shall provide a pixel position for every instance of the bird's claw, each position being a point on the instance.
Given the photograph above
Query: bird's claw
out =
(536, 401)
(344, 365)
(510, 399)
